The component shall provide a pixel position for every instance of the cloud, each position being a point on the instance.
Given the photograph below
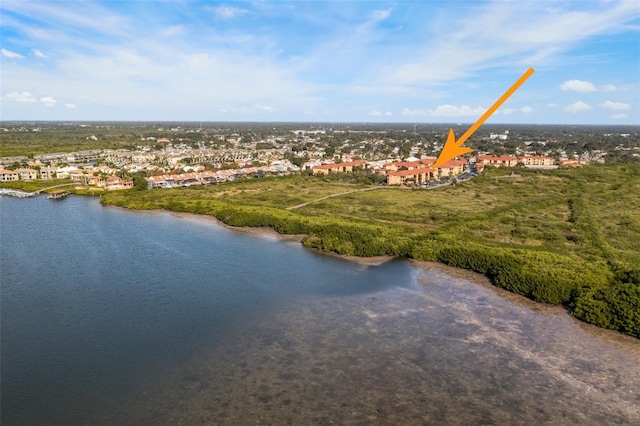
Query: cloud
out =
(38, 54)
(71, 106)
(578, 86)
(21, 97)
(618, 116)
(380, 15)
(447, 111)
(578, 106)
(265, 108)
(615, 105)
(379, 113)
(10, 54)
(553, 105)
(228, 12)
(498, 33)
(508, 111)
(48, 101)
(607, 88)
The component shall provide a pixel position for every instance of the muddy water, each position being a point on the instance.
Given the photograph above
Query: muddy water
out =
(450, 349)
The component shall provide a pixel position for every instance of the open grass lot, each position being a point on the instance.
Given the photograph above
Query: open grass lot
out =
(567, 236)
(35, 185)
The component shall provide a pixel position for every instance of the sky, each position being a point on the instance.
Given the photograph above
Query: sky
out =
(320, 61)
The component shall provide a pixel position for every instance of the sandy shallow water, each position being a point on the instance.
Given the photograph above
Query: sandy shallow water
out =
(452, 349)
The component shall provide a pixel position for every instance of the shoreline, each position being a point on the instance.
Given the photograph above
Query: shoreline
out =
(475, 277)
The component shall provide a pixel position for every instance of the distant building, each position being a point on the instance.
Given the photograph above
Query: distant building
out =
(497, 161)
(325, 169)
(536, 160)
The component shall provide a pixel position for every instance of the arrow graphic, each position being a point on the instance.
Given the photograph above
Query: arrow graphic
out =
(453, 148)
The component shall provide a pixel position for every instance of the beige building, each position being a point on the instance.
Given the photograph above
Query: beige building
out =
(325, 169)
(536, 160)
(114, 182)
(27, 174)
(497, 160)
(47, 173)
(8, 175)
(451, 168)
(413, 176)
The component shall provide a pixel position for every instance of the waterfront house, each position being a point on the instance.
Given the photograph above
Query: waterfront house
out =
(8, 175)
(27, 174)
(114, 182)
(47, 173)
(78, 175)
(95, 179)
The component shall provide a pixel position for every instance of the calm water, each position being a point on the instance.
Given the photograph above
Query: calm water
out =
(117, 317)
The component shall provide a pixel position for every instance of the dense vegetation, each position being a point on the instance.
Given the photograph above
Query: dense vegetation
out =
(564, 236)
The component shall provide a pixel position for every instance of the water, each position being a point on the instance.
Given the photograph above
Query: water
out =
(117, 317)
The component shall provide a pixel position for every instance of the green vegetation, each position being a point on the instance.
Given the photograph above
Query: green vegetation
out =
(34, 185)
(564, 236)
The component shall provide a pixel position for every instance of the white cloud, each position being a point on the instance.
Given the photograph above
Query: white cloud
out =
(21, 97)
(228, 12)
(553, 105)
(607, 88)
(10, 54)
(70, 105)
(48, 101)
(380, 15)
(618, 116)
(578, 106)
(498, 33)
(38, 54)
(265, 108)
(578, 86)
(508, 111)
(615, 105)
(380, 114)
(447, 111)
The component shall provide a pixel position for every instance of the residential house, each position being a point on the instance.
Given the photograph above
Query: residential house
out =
(114, 182)
(47, 173)
(95, 179)
(8, 175)
(78, 175)
(27, 174)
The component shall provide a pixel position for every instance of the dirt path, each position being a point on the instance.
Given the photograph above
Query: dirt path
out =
(336, 195)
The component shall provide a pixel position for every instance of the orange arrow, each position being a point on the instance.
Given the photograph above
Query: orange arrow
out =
(452, 148)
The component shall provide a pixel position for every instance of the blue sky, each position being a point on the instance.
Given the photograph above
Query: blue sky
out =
(346, 61)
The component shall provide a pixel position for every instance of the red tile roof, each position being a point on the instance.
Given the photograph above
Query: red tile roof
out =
(411, 172)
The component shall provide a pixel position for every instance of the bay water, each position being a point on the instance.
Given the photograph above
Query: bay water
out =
(111, 316)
